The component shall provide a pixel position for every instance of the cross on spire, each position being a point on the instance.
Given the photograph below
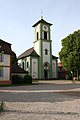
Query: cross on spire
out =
(41, 13)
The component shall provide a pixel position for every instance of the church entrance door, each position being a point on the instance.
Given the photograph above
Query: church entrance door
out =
(45, 74)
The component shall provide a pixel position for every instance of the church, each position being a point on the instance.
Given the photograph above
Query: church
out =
(38, 61)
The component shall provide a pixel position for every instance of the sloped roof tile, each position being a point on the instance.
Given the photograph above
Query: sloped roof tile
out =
(41, 21)
(28, 53)
(5, 47)
(17, 69)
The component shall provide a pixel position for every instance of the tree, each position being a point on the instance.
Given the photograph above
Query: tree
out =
(14, 58)
(70, 52)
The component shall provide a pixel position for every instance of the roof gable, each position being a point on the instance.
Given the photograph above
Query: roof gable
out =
(3, 42)
(17, 69)
(5, 47)
(29, 52)
(41, 21)
(54, 57)
(34, 53)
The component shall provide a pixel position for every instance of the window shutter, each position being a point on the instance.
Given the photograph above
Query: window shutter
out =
(2, 57)
(1, 72)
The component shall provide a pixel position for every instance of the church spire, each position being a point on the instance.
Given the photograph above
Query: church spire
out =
(41, 13)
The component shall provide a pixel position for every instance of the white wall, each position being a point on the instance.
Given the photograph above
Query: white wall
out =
(37, 29)
(37, 47)
(19, 63)
(34, 68)
(28, 60)
(46, 58)
(6, 74)
(25, 60)
(6, 60)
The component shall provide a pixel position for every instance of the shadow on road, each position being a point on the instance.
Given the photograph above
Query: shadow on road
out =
(41, 96)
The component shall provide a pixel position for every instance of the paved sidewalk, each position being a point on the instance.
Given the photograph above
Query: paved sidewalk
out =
(47, 100)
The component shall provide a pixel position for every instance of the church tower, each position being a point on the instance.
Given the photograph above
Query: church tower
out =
(43, 47)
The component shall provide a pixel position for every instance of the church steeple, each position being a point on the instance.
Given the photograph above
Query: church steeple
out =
(41, 30)
(41, 13)
(43, 47)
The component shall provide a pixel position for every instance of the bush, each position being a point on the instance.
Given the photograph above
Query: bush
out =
(69, 76)
(27, 79)
(17, 79)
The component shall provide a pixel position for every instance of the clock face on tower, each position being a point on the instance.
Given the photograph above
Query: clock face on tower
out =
(45, 27)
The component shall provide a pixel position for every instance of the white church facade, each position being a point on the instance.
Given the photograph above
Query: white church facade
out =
(38, 61)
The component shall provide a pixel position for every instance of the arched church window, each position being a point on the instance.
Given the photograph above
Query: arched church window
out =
(37, 36)
(45, 35)
(23, 65)
(46, 52)
(27, 64)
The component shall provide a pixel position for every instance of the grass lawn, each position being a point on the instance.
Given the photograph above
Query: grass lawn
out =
(4, 85)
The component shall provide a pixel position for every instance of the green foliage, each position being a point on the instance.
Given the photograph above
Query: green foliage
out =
(14, 58)
(1, 106)
(27, 79)
(17, 79)
(70, 52)
(69, 76)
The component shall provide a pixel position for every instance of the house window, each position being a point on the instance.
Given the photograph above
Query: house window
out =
(23, 65)
(27, 64)
(37, 35)
(45, 35)
(1, 58)
(1, 72)
(46, 52)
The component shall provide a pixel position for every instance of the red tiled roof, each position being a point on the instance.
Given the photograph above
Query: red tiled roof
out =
(59, 65)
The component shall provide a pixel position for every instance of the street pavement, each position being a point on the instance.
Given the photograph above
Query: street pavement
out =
(44, 100)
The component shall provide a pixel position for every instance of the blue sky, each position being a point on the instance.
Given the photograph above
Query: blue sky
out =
(18, 16)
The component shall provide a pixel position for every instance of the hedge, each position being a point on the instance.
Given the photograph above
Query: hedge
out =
(17, 79)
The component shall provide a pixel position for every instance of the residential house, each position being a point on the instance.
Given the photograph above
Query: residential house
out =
(5, 62)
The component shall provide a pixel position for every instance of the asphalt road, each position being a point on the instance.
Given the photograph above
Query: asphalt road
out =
(45, 100)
